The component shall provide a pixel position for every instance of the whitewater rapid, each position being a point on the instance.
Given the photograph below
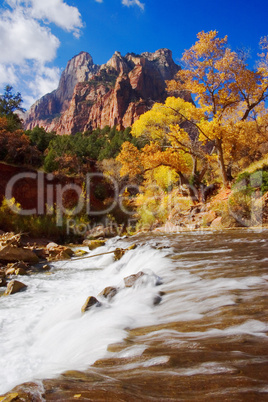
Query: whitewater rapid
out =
(43, 332)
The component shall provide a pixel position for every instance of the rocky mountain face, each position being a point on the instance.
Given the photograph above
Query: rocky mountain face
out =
(114, 94)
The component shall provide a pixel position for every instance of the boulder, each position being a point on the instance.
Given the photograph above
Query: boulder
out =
(12, 253)
(92, 244)
(14, 287)
(109, 292)
(132, 279)
(90, 302)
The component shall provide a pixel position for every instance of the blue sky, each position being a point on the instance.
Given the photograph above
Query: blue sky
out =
(38, 37)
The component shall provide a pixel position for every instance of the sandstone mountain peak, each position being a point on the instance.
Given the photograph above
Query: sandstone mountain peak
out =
(115, 93)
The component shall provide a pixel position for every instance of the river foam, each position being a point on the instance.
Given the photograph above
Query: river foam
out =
(43, 331)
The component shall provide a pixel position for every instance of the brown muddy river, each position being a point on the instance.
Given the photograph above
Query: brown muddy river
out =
(201, 335)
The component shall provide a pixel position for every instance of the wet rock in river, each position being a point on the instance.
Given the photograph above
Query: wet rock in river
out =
(109, 292)
(56, 252)
(14, 287)
(90, 302)
(157, 300)
(132, 279)
(80, 253)
(132, 247)
(46, 267)
(118, 253)
(92, 244)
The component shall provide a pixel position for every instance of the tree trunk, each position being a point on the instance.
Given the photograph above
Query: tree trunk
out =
(194, 159)
(221, 163)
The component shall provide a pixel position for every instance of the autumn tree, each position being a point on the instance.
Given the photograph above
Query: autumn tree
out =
(136, 163)
(176, 141)
(15, 146)
(226, 91)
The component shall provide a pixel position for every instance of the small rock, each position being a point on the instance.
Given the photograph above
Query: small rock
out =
(91, 301)
(118, 253)
(46, 267)
(80, 253)
(20, 271)
(157, 300)
(109, 292)
(10, 271)
(132, 247)
(14, 287)
(59, 253)
(131, 280)
(92, 244)
(51, 245)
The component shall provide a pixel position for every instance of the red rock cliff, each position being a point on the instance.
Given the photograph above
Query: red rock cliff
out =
(116, 93)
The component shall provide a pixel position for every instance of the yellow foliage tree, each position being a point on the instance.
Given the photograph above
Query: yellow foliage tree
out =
(227, 93)
(175, 141)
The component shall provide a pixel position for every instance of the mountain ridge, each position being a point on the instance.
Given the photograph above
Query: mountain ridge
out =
(116, 93)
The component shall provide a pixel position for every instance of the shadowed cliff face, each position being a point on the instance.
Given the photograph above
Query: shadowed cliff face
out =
(91, 96)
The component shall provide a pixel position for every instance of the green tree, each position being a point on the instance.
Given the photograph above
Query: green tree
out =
(9, 104)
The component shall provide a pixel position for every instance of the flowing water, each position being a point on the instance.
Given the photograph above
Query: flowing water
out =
(206, 339)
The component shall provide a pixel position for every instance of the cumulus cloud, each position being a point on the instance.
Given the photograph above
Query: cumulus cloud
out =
(28, 45)
(129, 3)
(23, 38)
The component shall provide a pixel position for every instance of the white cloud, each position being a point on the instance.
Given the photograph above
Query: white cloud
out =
(23, 38)
(27, 43)
(46, 80)
(7, 75)
(51, 11)
(59, 13)
(129, 3)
